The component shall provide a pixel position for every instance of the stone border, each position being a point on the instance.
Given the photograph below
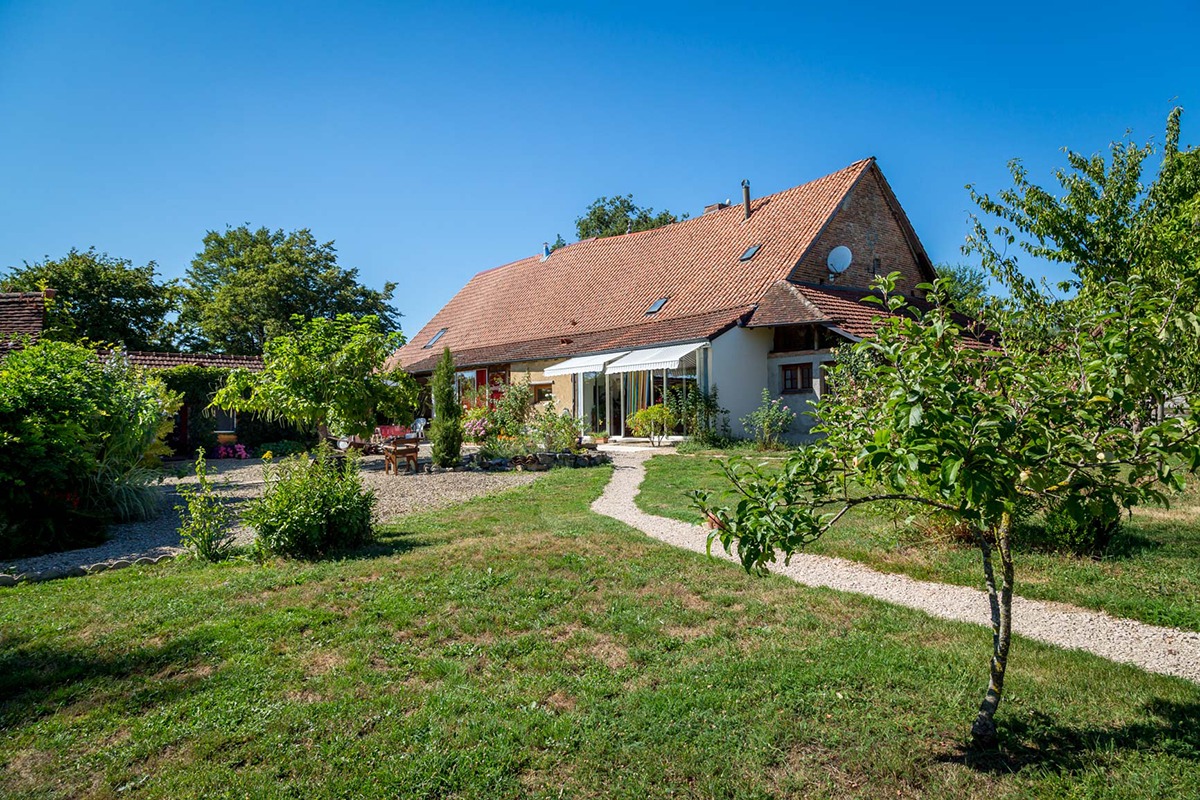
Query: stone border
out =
(80, 571)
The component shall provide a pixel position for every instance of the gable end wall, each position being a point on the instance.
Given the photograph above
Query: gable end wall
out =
(867, 225)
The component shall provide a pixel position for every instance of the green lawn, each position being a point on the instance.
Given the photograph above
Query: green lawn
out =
(522, 646)
(1152, 573)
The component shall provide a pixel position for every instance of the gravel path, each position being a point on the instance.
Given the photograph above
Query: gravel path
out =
(397, 495)
(1167, 651)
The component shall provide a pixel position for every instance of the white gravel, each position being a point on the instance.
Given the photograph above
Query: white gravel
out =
(397, 495)
(1168, 651)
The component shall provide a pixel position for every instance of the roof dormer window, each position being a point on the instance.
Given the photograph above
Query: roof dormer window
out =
(656, 306)
(750, 251)
(433, 341)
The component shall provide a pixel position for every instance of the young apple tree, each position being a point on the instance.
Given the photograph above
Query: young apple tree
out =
(986, 435)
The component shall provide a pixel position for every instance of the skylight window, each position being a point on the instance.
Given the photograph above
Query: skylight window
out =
(656, 306)
(750, 251)
(433, 341)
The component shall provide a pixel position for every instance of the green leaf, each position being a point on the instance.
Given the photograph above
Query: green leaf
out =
(950, 469)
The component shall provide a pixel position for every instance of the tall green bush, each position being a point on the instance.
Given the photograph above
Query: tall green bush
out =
(446, 430)
(699, 412)
(514, 408)
(75, 432)
(311, 508)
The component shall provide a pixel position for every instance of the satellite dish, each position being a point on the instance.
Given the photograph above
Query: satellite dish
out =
(839, 259)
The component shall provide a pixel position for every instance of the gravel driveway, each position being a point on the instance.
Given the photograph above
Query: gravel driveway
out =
(397, 495)
(1168, 651)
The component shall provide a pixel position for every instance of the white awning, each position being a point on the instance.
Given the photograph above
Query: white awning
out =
(583, 364)
(655, 358)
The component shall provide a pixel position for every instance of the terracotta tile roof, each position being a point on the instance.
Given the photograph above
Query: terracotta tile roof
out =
(790, 303)
(608, 284)
(168, 360)
(21, 314)
(667, 331)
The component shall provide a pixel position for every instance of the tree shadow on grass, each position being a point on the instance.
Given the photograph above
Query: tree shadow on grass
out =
(388, 543)
(1044, 743)
(38, 679)
(1129, 544)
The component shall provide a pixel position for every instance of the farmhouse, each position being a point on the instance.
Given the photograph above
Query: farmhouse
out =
(745, 297)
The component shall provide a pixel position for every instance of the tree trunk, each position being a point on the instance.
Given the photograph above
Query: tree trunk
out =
(984, 728)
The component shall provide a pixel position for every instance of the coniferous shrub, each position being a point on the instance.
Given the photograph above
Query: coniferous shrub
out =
(446, 430)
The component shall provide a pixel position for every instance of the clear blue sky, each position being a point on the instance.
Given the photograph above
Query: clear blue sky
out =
(431, 143)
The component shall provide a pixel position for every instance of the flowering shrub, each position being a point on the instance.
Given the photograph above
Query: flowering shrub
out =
(769, 422)
(513, 409)
(554, 432)
(477, 423)
(232, 451)
(653, 422)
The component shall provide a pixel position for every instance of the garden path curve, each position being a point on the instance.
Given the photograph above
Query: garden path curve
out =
(1168, 651)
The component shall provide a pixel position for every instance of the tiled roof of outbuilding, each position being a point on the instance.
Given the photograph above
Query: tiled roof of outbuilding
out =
(21, 314)
(167, 360)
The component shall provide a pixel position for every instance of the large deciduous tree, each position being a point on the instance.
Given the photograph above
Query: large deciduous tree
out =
(612, 216)
(325, 374)
(983, 436)
(100, 298)
(247, 286)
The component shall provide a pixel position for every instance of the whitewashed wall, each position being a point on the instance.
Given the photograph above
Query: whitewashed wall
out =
(739, 371)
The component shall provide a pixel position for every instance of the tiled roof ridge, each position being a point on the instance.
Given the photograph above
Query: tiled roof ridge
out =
(158, 359)
(755, 204)
(29, 295)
